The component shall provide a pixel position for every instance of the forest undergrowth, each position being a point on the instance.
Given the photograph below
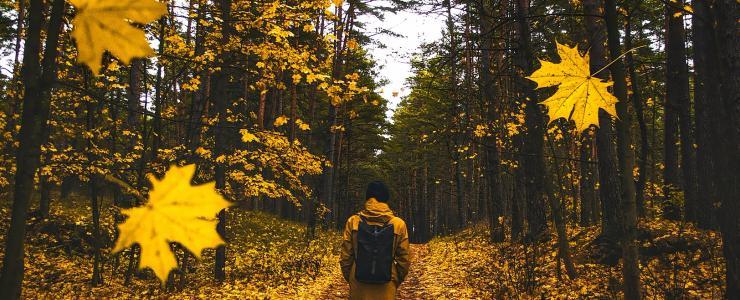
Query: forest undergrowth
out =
(678, 262)
(267, 258)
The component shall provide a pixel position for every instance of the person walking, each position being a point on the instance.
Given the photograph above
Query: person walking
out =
(375, 248)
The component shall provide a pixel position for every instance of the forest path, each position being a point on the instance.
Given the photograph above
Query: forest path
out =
(410, 288)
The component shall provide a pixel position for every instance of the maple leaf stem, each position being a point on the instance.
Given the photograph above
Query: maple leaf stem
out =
(616, 59)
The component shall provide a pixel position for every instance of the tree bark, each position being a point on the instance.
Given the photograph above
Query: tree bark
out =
(630, 260)
(45, 200)
(636, 101)
(457, 156)
(19, 33)
(534, 163)
(557, 218)
(97, 276)
(609, 185)
(200, 96)
(727, 139)
(493, 163)
(38, 79)
(671, 108)
(706, 88)
(220, 100)
(677, 93)
(587, 188)
(518, 204)
(133, 93)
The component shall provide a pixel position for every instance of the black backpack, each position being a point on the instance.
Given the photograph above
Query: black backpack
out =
(374, 256)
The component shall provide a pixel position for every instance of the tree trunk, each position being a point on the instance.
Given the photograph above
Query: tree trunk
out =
(677, 93)
(493, 164)
(37, 80)
(45, 200)
(630, 260)
(200, 96)
(674, 42)
(727, 139)
(518, 204)
(97, 276)
(587, 187)
(557, 218)
(534, 163)
(293, 112)
(609, 186)
(457, 156)
(19, 33)
(424, 215)
(133, 93)
(220, 100)
(326, 185)
(636, 101)
(706, 88)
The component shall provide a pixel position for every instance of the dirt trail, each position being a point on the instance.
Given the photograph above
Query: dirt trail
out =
(410, 288)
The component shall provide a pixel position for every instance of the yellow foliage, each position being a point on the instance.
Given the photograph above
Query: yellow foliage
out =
(248, 136)
(302, 125)
(280, 121)
(268, 258)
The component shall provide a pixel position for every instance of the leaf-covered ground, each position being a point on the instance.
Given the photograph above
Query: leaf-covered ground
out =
(267, 258)
(678, 262)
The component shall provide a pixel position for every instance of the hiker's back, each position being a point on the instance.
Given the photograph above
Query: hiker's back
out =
(375, 249)
(373, 271)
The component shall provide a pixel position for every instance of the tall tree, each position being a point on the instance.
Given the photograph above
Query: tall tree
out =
(458, 115)
(220, 101)
(493, 163)
(630, 261)
(636, 100)
(671, 107)
(727, 138)
(706, 87)
(534, 162)
(609, 186)
(678, 99)
(38, 78)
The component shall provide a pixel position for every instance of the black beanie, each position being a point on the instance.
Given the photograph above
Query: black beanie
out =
(377, 190)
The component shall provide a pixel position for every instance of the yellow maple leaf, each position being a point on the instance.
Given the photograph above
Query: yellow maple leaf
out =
(280, 121)
(106, 25)
(203, 152)
(302, 125)
(580, 95)
(248, 136)
(176, 212)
